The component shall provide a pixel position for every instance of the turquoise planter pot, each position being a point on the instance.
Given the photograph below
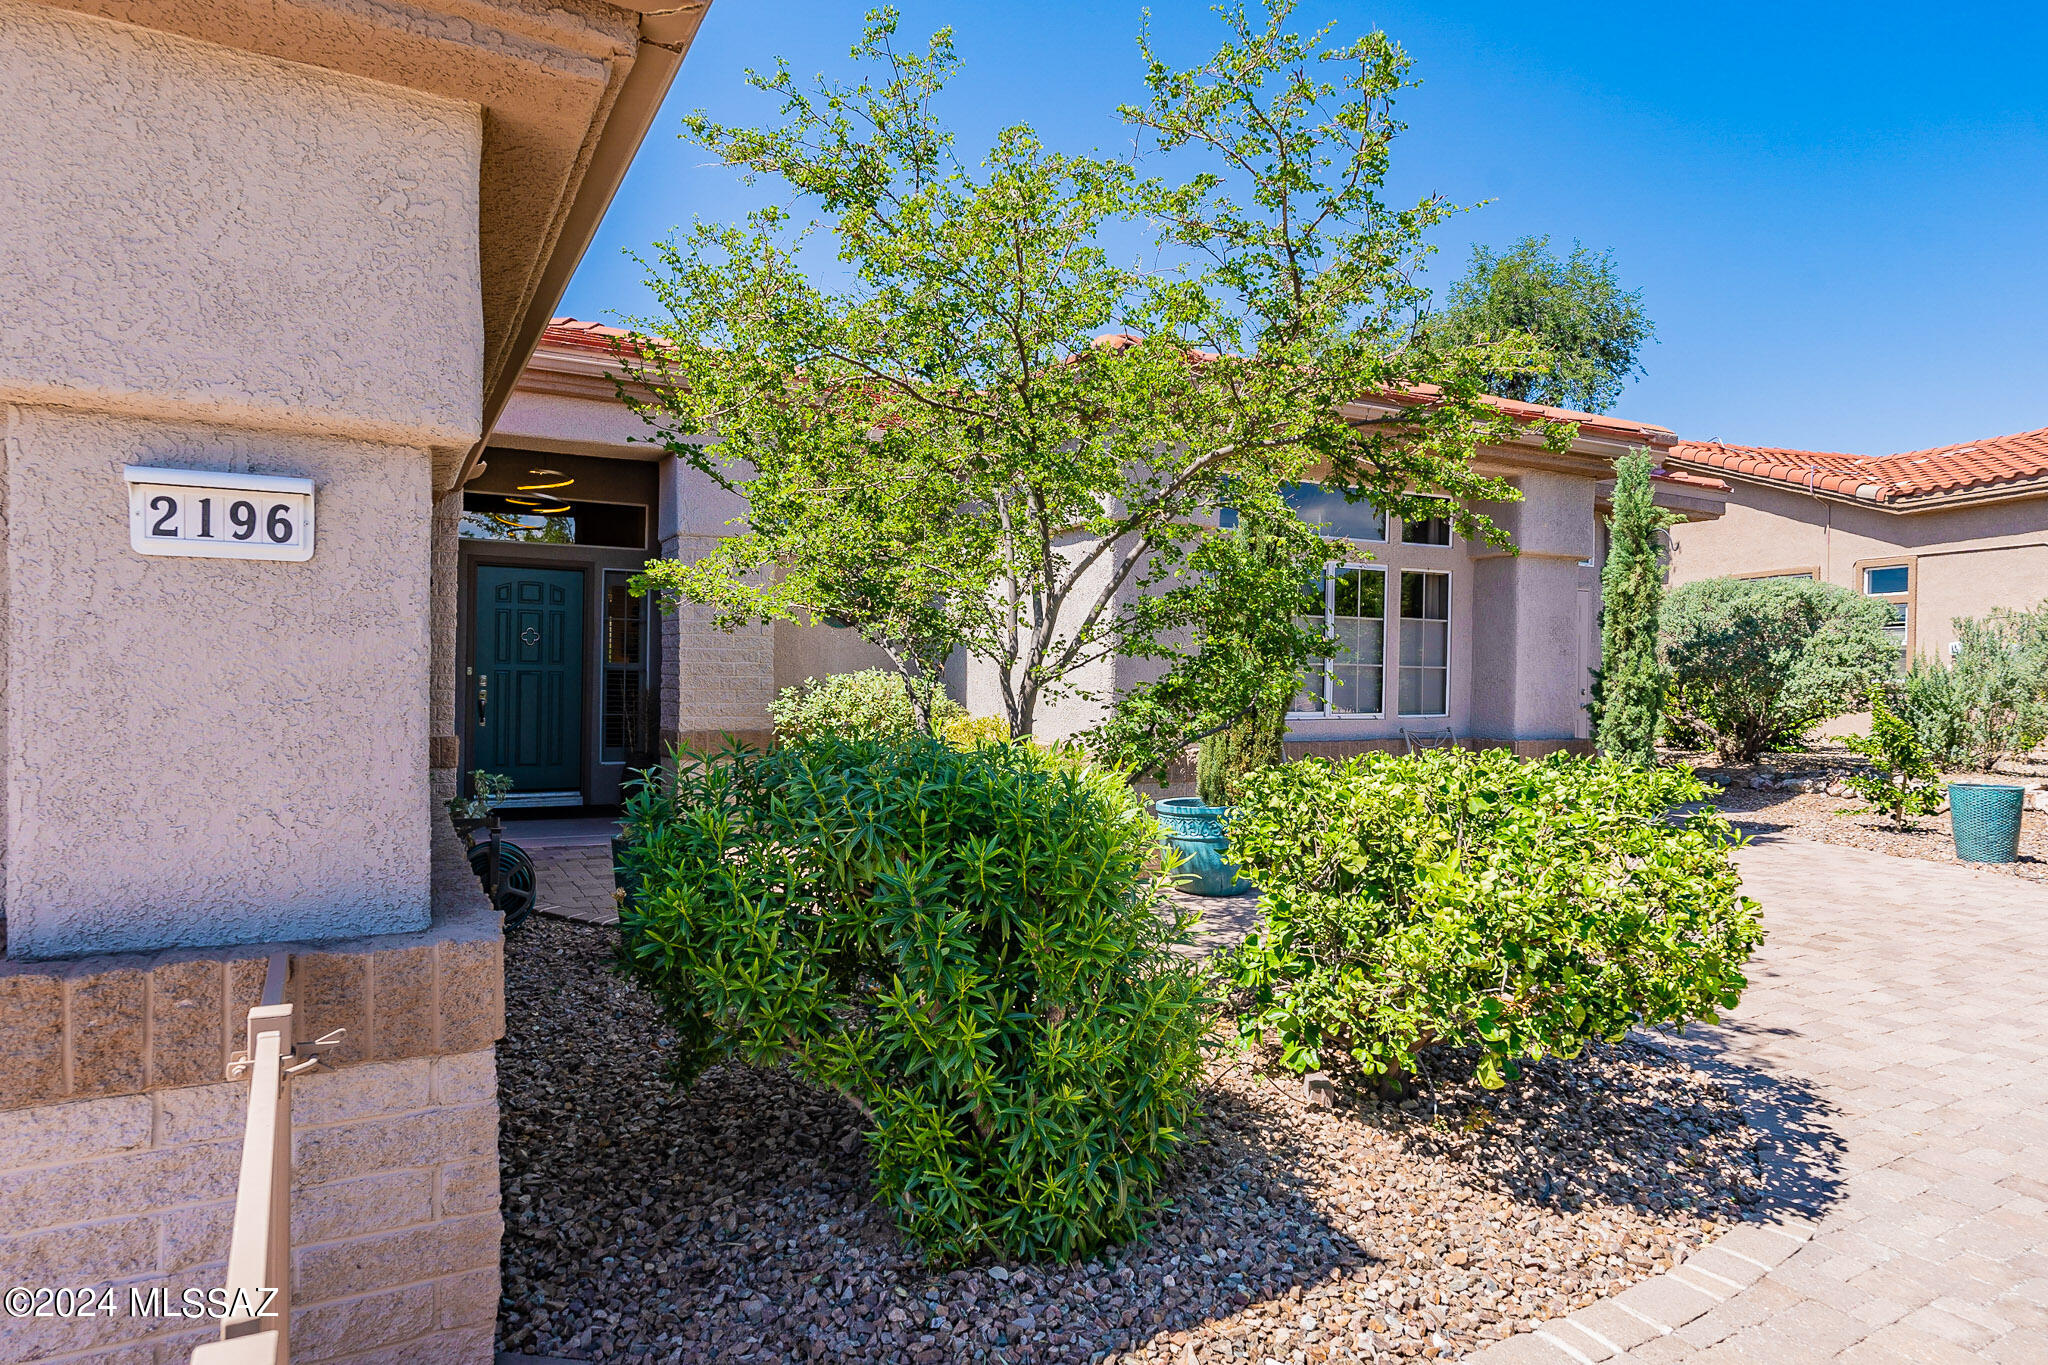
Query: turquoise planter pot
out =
(1197, 832)
(1986, 820)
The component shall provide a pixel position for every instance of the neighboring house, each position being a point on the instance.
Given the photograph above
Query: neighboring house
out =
(1937, 534)
(1442, 633)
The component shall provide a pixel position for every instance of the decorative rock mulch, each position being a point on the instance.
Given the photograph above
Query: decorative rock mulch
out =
(734, 1221)
(1801, 795)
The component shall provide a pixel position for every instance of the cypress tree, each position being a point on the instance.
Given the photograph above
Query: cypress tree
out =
(1254, 740)
(1631, 596)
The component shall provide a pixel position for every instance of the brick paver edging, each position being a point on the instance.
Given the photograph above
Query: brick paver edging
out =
(1893, 1053)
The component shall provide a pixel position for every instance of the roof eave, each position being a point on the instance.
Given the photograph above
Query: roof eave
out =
(666, 32)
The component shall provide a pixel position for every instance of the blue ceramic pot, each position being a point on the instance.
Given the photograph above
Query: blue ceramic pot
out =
(1197, 832)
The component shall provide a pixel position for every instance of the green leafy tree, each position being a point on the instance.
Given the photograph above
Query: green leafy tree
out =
(1756, 663)
(1631, 598)
(1904, 782)
(978, 430)
(1587, 327)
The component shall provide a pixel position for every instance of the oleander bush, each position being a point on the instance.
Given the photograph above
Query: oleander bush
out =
(1450, 899)
(967, 944)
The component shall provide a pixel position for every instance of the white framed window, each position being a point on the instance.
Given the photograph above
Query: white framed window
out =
(1427, 530)
(1425, 672)
(1891, 584)
(1352, 610)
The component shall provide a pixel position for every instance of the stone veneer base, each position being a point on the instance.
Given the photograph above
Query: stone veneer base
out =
(120, 1143)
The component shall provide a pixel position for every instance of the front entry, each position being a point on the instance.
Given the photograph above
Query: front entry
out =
(527, 693)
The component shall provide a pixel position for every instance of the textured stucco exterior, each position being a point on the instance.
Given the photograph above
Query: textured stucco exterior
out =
(215, 259)
(211, 751)
(1964, 560)
(236, 237)
(293, 237)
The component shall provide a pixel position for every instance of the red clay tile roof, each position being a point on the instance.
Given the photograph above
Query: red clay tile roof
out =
(1687, 479)
(1970, 467)
(578, 335)
(574, 334)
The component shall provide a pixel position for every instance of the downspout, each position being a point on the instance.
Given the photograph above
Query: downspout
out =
(1827, 526)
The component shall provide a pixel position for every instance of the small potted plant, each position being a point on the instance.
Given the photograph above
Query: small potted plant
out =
(477, 811)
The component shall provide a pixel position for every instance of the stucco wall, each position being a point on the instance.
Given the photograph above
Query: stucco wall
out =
(1522, 636)
(575, 425)
(1965, 560)
(246, 238)
(217, 260)
(805, 652)
(211, 751)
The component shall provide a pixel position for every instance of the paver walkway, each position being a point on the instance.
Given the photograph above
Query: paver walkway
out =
(1893, 1050)
(572, 866)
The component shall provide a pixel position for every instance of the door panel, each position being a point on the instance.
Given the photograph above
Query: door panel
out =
(527, 693)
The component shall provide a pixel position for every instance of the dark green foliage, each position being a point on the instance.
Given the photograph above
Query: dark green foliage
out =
(1906, 783)
(1756, 663)
(1252, 742)
(1459, 899)
(1631, 596)
(965, 944)
(1586, 327)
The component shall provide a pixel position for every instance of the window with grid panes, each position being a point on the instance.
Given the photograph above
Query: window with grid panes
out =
(1351, 609)
(1424, 680)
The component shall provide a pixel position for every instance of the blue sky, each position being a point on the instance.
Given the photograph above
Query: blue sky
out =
(1838, 214)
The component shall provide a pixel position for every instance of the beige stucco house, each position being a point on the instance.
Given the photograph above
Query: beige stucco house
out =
(268, 272)
(1443, 633)
(1942, 533)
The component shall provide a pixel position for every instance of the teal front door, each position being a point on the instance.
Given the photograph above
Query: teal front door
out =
(527, 713)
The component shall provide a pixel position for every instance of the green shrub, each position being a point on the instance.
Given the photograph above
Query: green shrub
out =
(1926, 700)
(872, 701)
(1905, 782)
(1991, 702)
(1253, 741)
(1457, 899)
(966, 944)
(963, 731)
(1756, 663)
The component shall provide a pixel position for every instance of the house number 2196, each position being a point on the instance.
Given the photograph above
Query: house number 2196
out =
(216, 514)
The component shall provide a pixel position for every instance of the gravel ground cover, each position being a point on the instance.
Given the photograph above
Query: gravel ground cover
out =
(733, 1221)
(1796, 800)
